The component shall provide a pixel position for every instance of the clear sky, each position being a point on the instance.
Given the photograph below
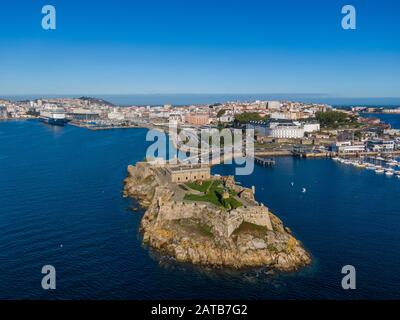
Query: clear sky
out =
(200, 46)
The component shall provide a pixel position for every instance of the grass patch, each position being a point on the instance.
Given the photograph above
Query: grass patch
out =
(204, 186)
(209, 197)
(213, 193)
(230, 203)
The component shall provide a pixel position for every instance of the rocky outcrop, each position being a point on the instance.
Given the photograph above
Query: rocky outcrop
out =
(195, 232)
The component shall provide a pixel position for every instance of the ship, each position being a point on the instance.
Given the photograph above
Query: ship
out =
(53, 116)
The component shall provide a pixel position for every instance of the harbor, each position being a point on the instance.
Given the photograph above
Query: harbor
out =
(85, 199)
(389, 166)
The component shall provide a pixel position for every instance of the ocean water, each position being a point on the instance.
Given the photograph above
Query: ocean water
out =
(392, 119)
(61, 204)
(187, 99)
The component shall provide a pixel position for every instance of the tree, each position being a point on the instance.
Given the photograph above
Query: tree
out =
(221, 113)
(220, 126)
(334, 119)
(246, 117)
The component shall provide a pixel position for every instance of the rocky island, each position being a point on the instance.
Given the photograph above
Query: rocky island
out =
(209, 220)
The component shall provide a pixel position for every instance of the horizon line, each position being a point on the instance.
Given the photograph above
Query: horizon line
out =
(324, 95)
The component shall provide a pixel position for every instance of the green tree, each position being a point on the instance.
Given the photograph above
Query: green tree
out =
(246, 117)
(221, 113)
(335, 119)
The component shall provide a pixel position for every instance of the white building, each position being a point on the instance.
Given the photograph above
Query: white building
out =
(226, 118)
(276, 105)
(278, 129)
(279, 116)
(116, 115)
(312, 127)
(348, 147)
(176, 116)
(285, 131)
(392, 132)
(381, 145)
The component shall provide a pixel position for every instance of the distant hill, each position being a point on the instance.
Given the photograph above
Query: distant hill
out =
(96, 100)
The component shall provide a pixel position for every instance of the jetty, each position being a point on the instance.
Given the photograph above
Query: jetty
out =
(265, 162)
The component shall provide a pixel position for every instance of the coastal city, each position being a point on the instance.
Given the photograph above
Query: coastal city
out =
(192, 158)
(282, 128)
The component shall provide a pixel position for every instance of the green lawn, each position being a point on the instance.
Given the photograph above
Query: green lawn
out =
(212, 193)
(202, 188)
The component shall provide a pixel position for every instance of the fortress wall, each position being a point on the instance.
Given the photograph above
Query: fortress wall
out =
(188, 175)
(232, 223)
(140, 171)
(222, 223)
(259, 216)
(179, 210)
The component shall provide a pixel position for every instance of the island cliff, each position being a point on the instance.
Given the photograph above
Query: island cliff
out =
(209, 220)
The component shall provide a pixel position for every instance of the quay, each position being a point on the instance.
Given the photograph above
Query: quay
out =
(341, 154)
(305, 153)
(265, 162)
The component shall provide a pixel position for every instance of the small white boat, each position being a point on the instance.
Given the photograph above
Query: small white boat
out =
(389, 173)
(304, 190)
(336, 158)
(379, 171)
(360, 165)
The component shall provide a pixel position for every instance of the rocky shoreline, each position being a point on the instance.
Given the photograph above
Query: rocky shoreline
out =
(196, 232)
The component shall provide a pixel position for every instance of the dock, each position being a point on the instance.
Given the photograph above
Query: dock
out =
(265, 162)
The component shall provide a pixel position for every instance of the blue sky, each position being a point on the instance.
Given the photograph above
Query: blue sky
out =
(200, 46)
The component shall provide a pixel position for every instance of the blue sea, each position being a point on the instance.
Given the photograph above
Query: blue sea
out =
(187, 99)
(61, 204)
(392, 119)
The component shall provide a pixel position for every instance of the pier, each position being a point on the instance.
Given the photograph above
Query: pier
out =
(265, 162)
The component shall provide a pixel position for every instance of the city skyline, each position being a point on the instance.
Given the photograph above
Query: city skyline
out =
(132, 47)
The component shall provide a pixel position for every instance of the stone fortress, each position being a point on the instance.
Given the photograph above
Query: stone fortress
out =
(231, 230)
(190, 173)
(171, 205)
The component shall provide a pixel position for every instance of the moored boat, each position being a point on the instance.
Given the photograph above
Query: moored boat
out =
(389, 173)
(53, 116)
